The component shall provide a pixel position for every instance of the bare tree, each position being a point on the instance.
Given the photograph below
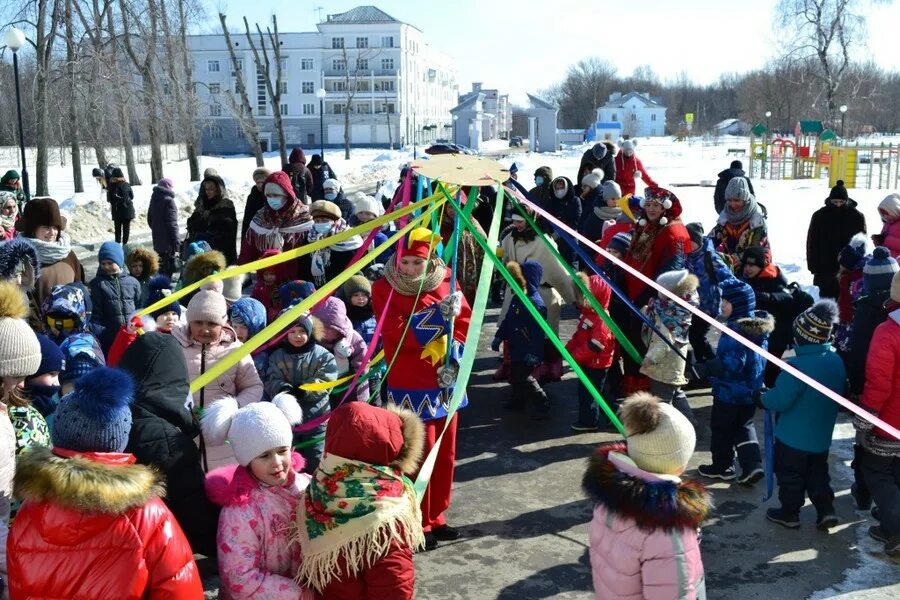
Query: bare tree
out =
(353, 83)
(180, 75)
(122, 111)
(243, 113)
(72, 76)
(264, 65)
(93, 30)
(585, 87)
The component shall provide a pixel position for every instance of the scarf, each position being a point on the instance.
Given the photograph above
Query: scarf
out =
(434, 274)
(741, 216)
(354, 511)
(605, 213)
(279, 229)
(50, 253)
(642, 241)
(321, 259)
(673, 317)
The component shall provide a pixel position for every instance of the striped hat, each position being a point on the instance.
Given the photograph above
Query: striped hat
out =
(879, 270)
(620, 242)
(740, 296)
(814, 325)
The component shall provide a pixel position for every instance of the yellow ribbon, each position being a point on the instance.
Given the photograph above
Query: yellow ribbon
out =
(327, 385)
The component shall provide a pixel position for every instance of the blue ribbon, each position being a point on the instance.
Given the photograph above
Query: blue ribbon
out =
(769, 447)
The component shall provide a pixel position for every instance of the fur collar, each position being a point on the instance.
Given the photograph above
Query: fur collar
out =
(652, 505)
(757, 325)
(148, 258)
(106, 483)
(410, 456)
(233, 485)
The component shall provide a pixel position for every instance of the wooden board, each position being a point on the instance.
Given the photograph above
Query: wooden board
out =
(461, 169)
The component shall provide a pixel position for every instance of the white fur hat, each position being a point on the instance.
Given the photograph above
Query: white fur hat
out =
(253, 429)
(593, 179)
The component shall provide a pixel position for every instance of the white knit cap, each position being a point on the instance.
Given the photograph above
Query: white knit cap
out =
(208, 305)
(593, 179)
(332, 183)
(232, 287)
(660, 439)
(254, 429)
(364, 203)
(20, 351)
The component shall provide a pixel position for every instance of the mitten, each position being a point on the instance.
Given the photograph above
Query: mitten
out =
(451, 306)
(446, 375)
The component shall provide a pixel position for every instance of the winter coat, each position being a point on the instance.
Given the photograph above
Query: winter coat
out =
(644, 537)
(830, 229)
(92, 525)
(568, 208)
(773, 296)
(121, 200)
(7, 471)
(256, 200)
(869, 312)
(67, 270)
(731, 240)
(882, 390)
(149, 260)
(724, 177)
(593, 345)
(607, 163)
(626, 168)
(256, 558)
(711, 271)
(805, 417)
(519, 330)
(891, 233)
(163, 431)
(215, 221)
(290, 367)
(162, 217)
(349, 348)
(240, 381)
(115, 298)
(301, 181)
(16, 190)
(667, 247)
(543, 194)
(740, 371)
(661, 362)
(319, 175)
(344, 204)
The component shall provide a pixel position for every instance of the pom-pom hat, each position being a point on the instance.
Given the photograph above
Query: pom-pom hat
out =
(814, 325)
(20, 350)
(879, 270)
(660, 439)
(96, 415)
(253, 429)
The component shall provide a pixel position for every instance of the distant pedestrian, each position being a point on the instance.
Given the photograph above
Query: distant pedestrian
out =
(121, 204)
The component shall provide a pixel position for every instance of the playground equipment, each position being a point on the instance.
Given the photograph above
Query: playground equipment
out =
(870, 166)
(803, 157)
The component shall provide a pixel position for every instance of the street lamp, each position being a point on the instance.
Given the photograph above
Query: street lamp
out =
(15, 39)
(843, 110)
(320, 94)
(455, 119)
(768, 114)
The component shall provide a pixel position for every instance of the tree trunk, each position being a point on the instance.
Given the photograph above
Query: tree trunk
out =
(347, 132)
(150, 103)
(244, 115)
(73, 95)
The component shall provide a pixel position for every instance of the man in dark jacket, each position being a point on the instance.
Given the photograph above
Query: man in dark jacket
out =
(163, 431)
(301, 178)
(542, 193)
(830, 229)
(121, 204)
(735, 170)
(162, 217)
(567, 208)
(320, 171)
(600, 156)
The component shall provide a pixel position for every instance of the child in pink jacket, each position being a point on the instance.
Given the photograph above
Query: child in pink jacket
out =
(259, 498)
(889, 209)
(347, 345)
(644, 535)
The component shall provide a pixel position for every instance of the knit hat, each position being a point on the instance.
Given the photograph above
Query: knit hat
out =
(593, 179)
(297, 156)
(305, 320)
(20, 350)
(620, 242)
(112, 251)
(52, 359)
(879, 270)
(739, 189)
(813, 326)
(736, 164)
(895, 287)
(165, 183)
(261, 174)
(628, 147)
(315, 160)
(363, 203)
(231, 287)
(96, 415)
(680, 282)
(279, 184)
(853, 256)
(599, 150)
(250, 313)
(355, 284)
(611, 190)
(81, 355)
(324, 208)
(68, 301)
(208, 305)
(254, 429)
(117, 173)
(160, 287)
(210, 172)
(660, 439)
(332, 183)
(295, 291)
(890, 206)
(195, 248)
(37, 212)
(755, 255)
(695, 231)
(838, 192)
(19, 256)
(740, 296)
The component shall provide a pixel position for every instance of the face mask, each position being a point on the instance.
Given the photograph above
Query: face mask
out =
(560, 194)
(330, 196)
(275, 202)
(322, 228)
(538, 180)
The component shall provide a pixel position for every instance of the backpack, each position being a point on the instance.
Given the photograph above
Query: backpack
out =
(801, 299)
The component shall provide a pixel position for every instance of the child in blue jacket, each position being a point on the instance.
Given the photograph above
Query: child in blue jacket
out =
(805, 420)
(525, 340)
(736, 374)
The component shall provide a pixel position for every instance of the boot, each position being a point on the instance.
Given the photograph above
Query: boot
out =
(859, 490)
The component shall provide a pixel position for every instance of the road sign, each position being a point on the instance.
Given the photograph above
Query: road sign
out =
(689, 118)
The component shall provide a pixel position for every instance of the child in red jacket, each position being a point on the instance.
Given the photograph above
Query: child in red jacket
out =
(268, 280)
(360, 520)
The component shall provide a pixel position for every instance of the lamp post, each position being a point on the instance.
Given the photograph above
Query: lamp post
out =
(455, 119)
(320, 94)
(415, 137)
(843, 110)
(15, 39)
(768, 114)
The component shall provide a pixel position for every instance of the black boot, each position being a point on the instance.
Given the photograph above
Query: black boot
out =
(859, 490)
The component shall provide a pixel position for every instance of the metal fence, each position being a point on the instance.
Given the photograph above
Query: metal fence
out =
(10, 156)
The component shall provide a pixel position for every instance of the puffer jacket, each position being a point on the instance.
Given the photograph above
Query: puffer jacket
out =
(256, 557)
(92, 525)
(568, 208)
(711, 271)
(607, 163)
(149, 260)
(626, 168)
(163, 431)
(240, 381)
(661, 362)
(114, 298)
(349, 348)
(741, 368)
(543, 194)
(891, 233)
(644, 542)
(162, 217)
(592, 328)
(869, 312)
(523, 336)
(770, 288)
(882, 390)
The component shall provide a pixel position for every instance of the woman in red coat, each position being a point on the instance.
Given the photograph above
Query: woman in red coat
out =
(92, 524)
(419, 379)
(628, 167)
(659, 243)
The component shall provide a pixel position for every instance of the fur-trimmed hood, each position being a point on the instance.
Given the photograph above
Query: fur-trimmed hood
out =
(109, 483)
(148, 258)
(653, 505)
(202, 265)
(393, 436)
(232, 485)
(757, 325)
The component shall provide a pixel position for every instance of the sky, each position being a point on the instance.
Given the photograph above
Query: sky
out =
(521, 46)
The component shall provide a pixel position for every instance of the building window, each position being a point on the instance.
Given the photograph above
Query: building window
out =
(362, 42)
(614, 117)
(362, 64)
(215, 110)
(339, 64)
(308, 87)
(283, 63)
(215, 133)
(388, 108)
(339, 109)
(214, 88)
(339, 86)
(212, 66)
(306, 64)
(261, 93)
(384, 86)
(282, 87)
(362, 86)
(633, 117)
(364, 109)
(653, 117)
(387, 63)
(284, 109)
(337, 43)
(387, 41)
(309, 109)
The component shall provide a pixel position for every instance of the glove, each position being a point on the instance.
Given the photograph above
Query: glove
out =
(710, 368)
(595, 345)
(446, 375)
(757, 397)
(495, 344)
(451, 306)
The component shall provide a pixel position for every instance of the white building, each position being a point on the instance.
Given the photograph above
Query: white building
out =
(404, 88)
(496, 111)
(635, 114)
